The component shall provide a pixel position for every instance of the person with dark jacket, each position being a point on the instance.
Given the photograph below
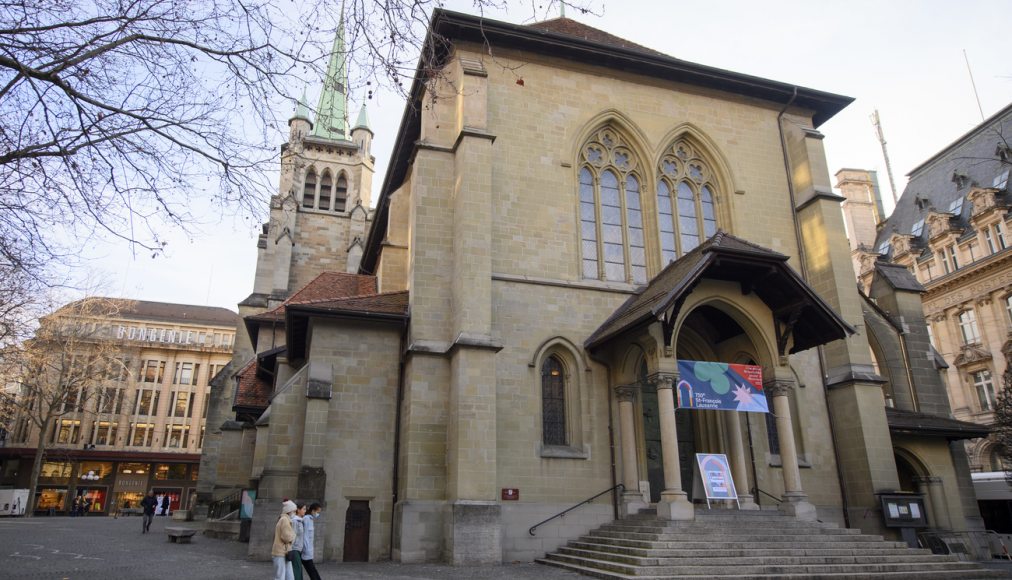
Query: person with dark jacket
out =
(165, 505)
(149, 503)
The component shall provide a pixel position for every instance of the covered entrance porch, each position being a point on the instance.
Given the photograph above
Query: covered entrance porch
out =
(727, 301)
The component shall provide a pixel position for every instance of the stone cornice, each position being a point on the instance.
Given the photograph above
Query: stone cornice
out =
(940, 294)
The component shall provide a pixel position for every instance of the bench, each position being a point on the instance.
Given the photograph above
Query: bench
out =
(180, 535)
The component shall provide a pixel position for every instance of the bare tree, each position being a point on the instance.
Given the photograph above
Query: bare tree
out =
(1001, 434)
(121, 118)
(69, 368)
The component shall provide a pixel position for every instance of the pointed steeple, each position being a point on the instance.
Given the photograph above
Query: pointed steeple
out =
(363, 120)
(332, 112)
(302, 109)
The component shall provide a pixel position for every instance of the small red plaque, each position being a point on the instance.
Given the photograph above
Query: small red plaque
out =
(510, 494)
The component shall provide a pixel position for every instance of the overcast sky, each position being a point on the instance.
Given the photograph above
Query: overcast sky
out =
(904, 58)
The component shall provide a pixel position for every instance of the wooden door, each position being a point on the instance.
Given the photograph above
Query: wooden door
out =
(356, 531)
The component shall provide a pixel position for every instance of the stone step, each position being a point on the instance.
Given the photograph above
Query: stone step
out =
(739, 536)
(734, 551)
(851, 542)
(730, 569)
(702, 528)
(757, 559)
(969, 574)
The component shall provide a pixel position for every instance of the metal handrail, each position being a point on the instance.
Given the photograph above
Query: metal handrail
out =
(564, 512)
(771, 496)
(225, 505)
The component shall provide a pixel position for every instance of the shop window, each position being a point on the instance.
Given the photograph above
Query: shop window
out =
(104, 432)
(56, 470)
(134, 468)
(95, 472)
(50, 499)
(141, 434)
(67, 431)
(165, 471)
(176, 436)
(152, 371)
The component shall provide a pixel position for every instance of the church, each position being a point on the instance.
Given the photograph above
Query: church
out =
(500, 336)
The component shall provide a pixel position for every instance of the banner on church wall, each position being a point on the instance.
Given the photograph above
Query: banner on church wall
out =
(721, 386)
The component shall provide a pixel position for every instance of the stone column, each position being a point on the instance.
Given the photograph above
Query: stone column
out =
(632, 497)
(674, 504)
(934, 499)
(795, 501)
(739, 469)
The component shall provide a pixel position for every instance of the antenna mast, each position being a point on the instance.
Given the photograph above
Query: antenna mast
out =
(885, 153)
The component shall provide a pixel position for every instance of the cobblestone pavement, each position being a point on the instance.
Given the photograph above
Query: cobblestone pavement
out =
(95, 548)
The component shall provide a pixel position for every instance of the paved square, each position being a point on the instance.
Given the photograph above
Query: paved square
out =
(102, 548)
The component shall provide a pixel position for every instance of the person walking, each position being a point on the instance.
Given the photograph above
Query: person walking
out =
(308, 538)
(284, 535)
(165, 505)
(296, 551)
(148, 504)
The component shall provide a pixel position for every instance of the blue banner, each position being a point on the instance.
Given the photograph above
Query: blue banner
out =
(721, 386)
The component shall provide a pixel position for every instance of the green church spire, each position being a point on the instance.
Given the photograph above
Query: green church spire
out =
(332, 112)
(302, 109)
(363, 120)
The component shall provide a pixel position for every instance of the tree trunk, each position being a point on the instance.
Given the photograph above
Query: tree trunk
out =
(33, 483)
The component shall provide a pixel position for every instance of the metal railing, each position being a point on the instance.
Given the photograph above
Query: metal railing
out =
(756, 491)
(978, 545)
(564, 512)
(224, 506)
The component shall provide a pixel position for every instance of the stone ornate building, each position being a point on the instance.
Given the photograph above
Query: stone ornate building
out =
(543, 248)
(145, 428)
(950, 230)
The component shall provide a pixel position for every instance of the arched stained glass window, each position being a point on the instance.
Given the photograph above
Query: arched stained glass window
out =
(553, 402)
(686, 197)
(611, 213)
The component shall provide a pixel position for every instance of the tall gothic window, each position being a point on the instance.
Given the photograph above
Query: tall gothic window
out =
(553, 402)
(341, 196)
(309, 190)
(611, 216)
(325, 189)
(685, 201)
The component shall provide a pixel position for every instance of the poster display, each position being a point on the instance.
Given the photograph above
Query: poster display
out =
(715, 474)
(721, 386)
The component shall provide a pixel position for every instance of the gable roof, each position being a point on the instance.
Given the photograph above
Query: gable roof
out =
(726, 257)
(579, 43)
(569, 27)
(387, 307)
(326, 286)
(252, 390)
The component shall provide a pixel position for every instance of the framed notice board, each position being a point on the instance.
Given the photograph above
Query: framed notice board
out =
(715, 474)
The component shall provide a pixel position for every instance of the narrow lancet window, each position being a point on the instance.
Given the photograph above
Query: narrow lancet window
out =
(553, 402)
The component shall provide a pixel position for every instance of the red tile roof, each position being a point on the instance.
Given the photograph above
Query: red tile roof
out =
(251, 390)
(568, 27)
(326, 286)
(385, 303)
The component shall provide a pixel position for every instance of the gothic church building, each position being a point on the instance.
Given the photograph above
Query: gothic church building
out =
(497, 339)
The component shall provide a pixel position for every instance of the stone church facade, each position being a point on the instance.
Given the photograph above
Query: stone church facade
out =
(558, 225)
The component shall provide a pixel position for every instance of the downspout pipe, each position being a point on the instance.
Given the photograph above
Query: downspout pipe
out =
(802, 258)
(397, 430)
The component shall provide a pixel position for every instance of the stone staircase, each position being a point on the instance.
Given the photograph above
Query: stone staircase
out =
(749, 544)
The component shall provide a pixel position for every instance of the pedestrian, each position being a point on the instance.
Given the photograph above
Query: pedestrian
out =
(149, 503)
(74, 506)
(308, 538)
(284, 535)
(296, 551)
(165, 505)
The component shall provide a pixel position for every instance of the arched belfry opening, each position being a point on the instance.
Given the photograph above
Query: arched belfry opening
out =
(727, 302)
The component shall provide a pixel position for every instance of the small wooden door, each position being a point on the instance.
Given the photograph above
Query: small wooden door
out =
(356, 531)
